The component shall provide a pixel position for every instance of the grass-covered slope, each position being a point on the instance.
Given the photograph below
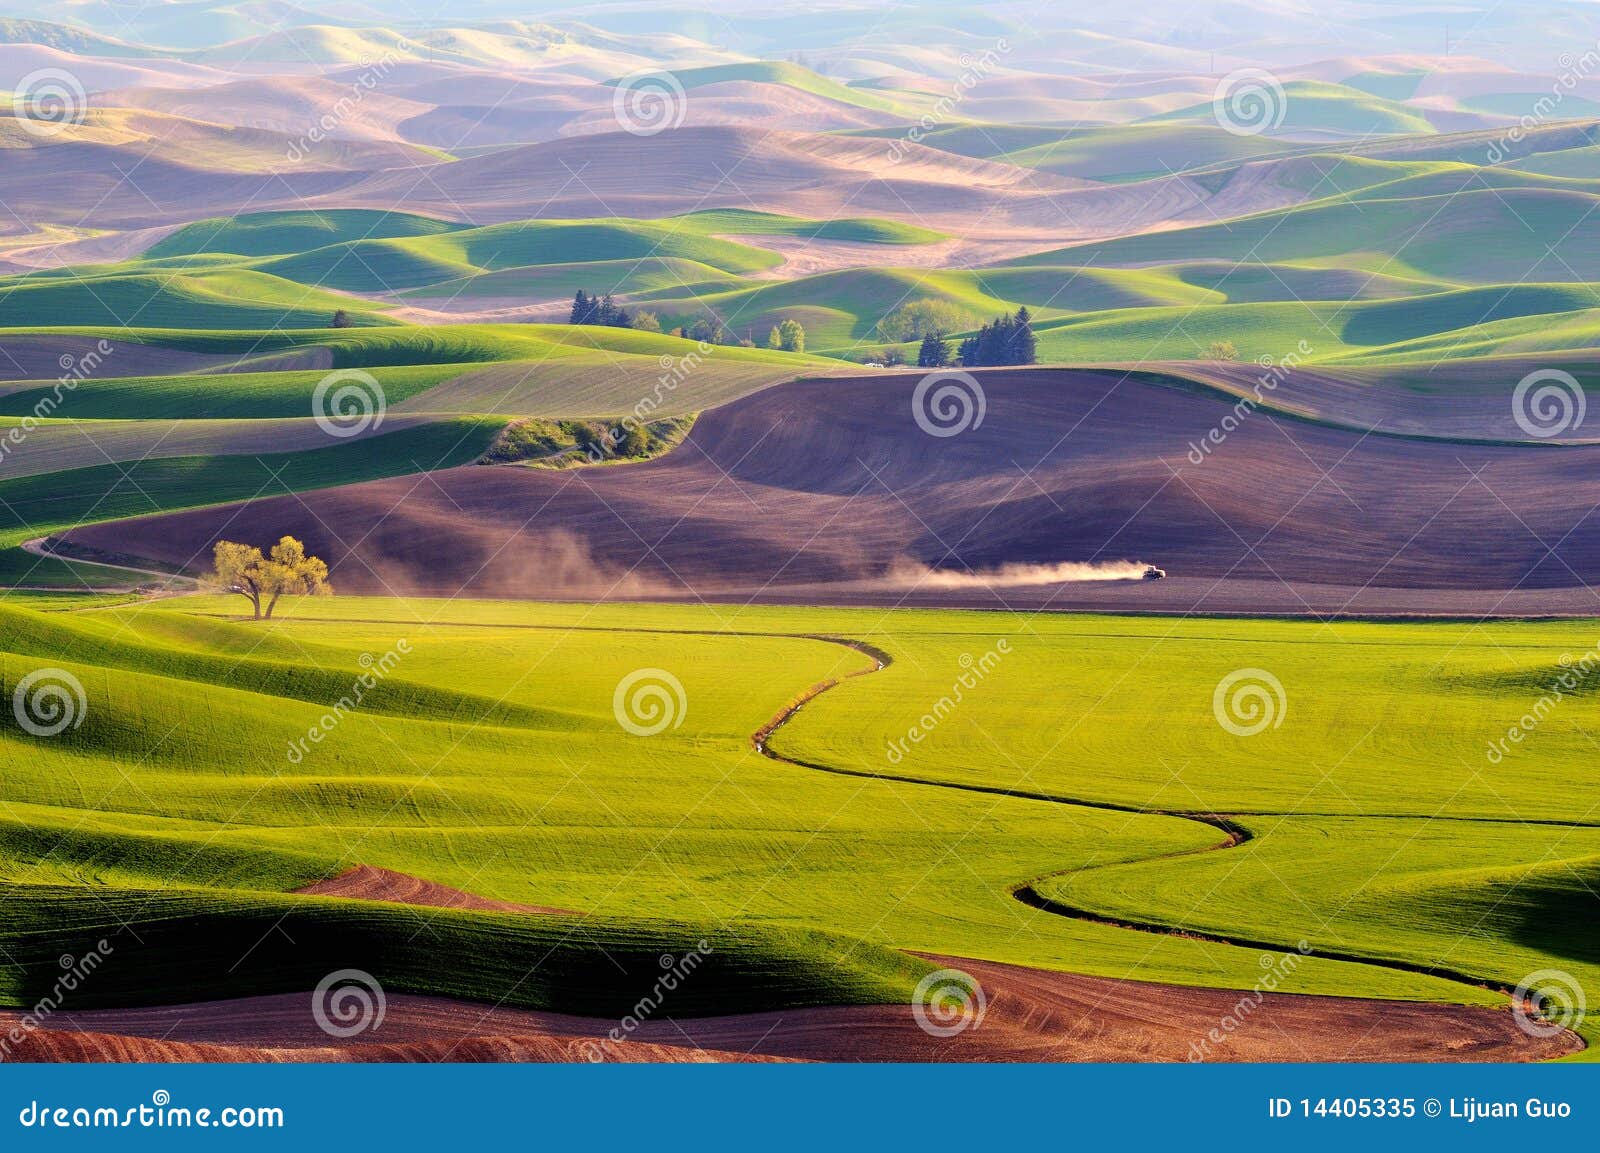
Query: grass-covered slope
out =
(804, 882)
(280, 233)
(38, 505)
(225, 298)
(1314, 106)
(1472, 236)
(788, 75)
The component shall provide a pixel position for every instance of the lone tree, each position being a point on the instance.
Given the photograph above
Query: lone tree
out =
(934, 353)
(240, 568)
(341, 319)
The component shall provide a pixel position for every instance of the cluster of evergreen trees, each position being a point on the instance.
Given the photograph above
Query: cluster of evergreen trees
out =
(601, 310)
(1004, 340)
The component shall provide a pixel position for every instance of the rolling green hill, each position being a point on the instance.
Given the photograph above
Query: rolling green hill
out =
(39, 505)
(371, 252)
(1479, 236)
(227, 298)
(790, 76)
(797, 875)
(1314, 106)
(1129, 152)
(285, 233)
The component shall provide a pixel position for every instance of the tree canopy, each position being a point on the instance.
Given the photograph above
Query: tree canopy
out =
(601, 310)
(1005, 340)
(788, 336)
(261, 580)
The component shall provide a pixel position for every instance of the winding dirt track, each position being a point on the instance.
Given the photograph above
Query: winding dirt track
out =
(1019, 1014)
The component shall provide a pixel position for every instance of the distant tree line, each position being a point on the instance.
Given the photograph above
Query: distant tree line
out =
(1004, 340)
(601, 310)
(786, 335)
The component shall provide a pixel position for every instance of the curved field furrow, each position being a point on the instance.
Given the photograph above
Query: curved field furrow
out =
(1234, 835)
